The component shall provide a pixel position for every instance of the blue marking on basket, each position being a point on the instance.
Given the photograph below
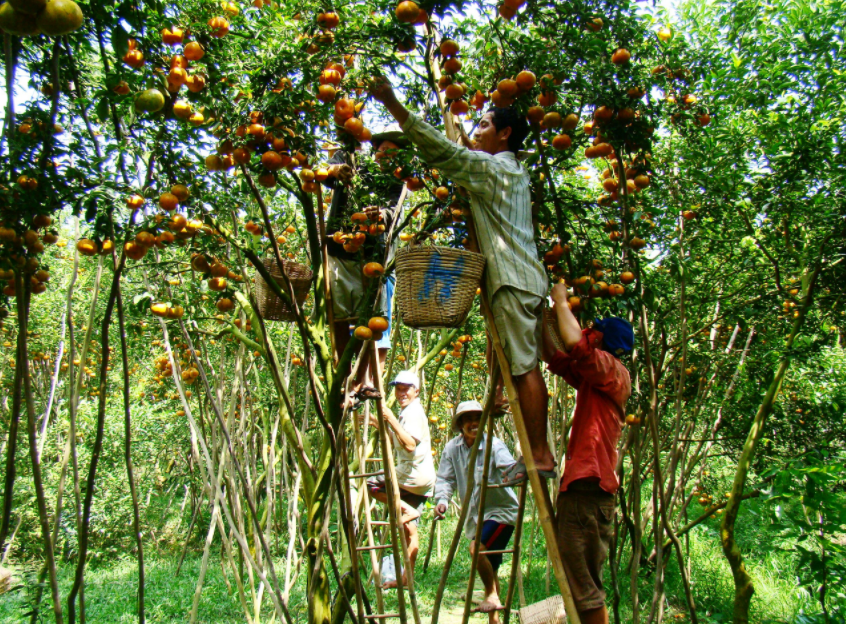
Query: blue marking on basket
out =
(446, 275)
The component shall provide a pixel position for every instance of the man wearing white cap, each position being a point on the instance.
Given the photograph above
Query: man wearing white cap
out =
(415, 468)
(501, 505)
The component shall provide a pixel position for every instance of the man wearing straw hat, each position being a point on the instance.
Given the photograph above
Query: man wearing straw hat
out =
(346, 281)
(501, 505)
(590, 363)
(499, 189)
(415, 468)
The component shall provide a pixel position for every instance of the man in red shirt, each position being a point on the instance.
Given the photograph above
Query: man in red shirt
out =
(586, 502)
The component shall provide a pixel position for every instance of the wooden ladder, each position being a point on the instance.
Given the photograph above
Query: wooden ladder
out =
(484, 485)
(397, 544)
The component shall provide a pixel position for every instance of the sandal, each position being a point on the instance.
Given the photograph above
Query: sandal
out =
(517, 473)
(353, 402)
(368, 393)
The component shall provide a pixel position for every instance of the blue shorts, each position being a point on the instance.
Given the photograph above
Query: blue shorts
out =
(495, 536)
(385, 341)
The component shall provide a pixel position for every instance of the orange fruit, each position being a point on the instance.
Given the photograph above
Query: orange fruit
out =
(535, 114)
(134, 251)
(354, 126)
(442, 193)
(407, 11)
(508, 88)
(193, 51)
(168, 201)
(570, 122)
(552, 120)
(459, 107)
(217, 284)
(561, 142)
(363, 333)
(378, 324)
(219, 27)
(270, 160)
(159, 309)
(59, 17)
(181, 191)
(135, 201)
(326, 93)
(86, 247)
(449, 48)
(525, 80)
(452, 66)
(621, 56)
(195, 83)
(373, 269)
(547, 98)
(224, 305)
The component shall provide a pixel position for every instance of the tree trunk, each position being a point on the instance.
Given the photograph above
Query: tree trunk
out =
(743, 587)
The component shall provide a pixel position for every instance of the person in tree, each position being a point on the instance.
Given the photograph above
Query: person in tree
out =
(501, 505)
(375, 193)
(499, 189)
(590, 363)
(415, 468)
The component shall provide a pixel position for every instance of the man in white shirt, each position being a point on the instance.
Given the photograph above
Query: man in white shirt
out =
(415, 468)
(499, 189)
(501, 506)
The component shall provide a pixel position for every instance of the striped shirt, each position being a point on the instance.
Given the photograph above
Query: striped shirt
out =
(498, 186)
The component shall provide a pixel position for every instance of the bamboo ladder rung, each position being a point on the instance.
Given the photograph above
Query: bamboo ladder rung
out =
(368, 474)
(381, 616)
(499, 608)
(372, 459)
(507, 551)
(379, 523)
(376, 547)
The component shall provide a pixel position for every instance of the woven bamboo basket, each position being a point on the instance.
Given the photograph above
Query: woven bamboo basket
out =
(551, 322)
(436, 285)
(273, 308)
(549, 611)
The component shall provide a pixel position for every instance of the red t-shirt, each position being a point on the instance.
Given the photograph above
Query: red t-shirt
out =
(603, 386)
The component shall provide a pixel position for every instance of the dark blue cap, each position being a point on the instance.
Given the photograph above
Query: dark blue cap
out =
(617, 335)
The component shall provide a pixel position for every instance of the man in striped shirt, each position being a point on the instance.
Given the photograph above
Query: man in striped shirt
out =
(498, 186)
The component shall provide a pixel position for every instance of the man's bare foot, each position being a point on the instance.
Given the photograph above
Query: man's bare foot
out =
(517, 472)
(393, 584)
(490, 604)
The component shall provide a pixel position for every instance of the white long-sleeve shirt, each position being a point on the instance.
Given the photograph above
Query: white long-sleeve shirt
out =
(500, 200)
(500, 503)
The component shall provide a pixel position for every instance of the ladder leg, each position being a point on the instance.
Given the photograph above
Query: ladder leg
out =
(542, 499)
(515, 558)
(392, 492)
(483, 491)
(431, 544)
(468, 492)
(352, 542)
(361, 446)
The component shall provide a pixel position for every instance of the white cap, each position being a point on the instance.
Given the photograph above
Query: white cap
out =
(463, 408)
(406, 378)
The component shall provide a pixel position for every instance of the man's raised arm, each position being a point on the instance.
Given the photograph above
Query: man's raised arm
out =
(465, 167)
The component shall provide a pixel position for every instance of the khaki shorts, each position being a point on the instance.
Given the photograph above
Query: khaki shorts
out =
(585, 519)
(346, 281)
(518, 315)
